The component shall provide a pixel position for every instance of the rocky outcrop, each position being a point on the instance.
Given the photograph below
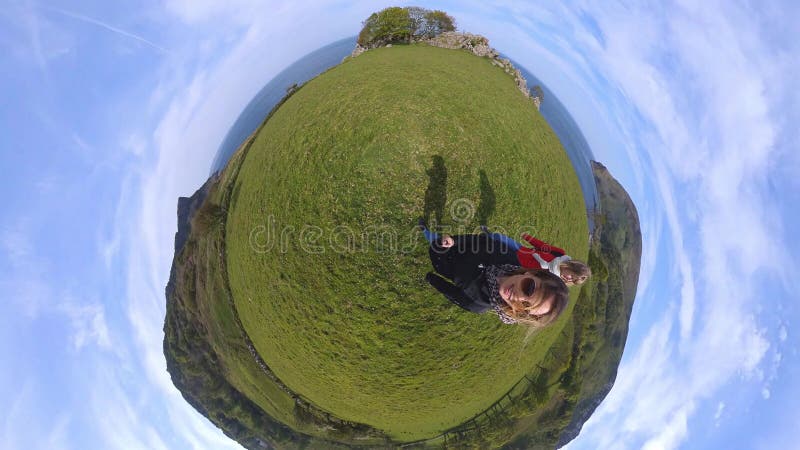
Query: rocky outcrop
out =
(479, 46)
(475, 43)
(187, 206)
(357, 51)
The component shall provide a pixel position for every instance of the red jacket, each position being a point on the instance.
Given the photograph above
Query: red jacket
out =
(545, 251)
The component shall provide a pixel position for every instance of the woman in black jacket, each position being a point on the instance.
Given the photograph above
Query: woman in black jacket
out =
(478, 274)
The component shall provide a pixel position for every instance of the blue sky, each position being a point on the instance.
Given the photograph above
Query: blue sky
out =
(110, 111)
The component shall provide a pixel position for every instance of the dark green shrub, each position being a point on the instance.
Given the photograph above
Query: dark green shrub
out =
(397, 24)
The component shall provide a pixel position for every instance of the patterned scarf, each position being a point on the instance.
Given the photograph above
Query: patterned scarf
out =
(492, 274)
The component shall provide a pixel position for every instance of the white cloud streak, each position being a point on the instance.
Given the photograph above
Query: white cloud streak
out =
(24, 282)
(718, 413)
(711, 158)
(88, 322)
(14, 415)
(691, 92)
(648, 80)
(23, 427)
(121, 423)
(195, 117)
(107, 26)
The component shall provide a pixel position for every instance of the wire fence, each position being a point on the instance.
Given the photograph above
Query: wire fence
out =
(497, 413)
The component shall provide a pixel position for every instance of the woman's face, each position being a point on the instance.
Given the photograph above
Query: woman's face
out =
(523, 291)
(570, 278)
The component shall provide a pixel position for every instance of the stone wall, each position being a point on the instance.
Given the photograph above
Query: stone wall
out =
(479, 46)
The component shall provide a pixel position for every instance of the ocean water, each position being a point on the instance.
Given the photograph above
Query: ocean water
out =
(318, 61)
(568, 132)
(302, 70)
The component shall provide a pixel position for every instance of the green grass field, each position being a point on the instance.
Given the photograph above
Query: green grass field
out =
(359, 333)
(207, 352)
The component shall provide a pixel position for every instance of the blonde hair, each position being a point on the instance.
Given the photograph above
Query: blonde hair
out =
(550, 286)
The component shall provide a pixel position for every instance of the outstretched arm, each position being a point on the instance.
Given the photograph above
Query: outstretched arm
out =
(470, 251)
(543, 246)
(452, 292)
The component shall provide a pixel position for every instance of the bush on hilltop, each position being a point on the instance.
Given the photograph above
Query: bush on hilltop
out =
(395, 24)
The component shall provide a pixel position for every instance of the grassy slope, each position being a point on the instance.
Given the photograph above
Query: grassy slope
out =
(225, 335)
(619, 252)
(599, 324)
(206, 349)
(359, 333)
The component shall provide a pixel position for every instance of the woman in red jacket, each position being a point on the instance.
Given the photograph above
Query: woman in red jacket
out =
(475, 274)
(545, 256)
(540, 256)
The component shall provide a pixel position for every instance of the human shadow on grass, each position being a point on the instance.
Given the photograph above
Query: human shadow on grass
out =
(487, 202)
(436, 194)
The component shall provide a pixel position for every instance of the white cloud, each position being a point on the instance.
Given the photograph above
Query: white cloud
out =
(121, 424)
(109, 249)
(27, 284)
(196, 109)
(135, 143)
(673, 432)
(24, 281)
(186, 140)
(35, 41)
(16, 244)
(109, 242)
(46, 184)
(683, 261)
(709, 153)
(88, 323)
(58, 437)
(14, 413)
(706, 149)
(81, 144)
(674, 115)
(194, 12)
(107, 26)
(651, 224)
(718, 413)
(771, 374)
(24, 427)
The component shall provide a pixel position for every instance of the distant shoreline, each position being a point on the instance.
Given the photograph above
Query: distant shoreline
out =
(316, 62)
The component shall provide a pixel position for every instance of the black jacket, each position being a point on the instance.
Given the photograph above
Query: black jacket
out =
(464, 264)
